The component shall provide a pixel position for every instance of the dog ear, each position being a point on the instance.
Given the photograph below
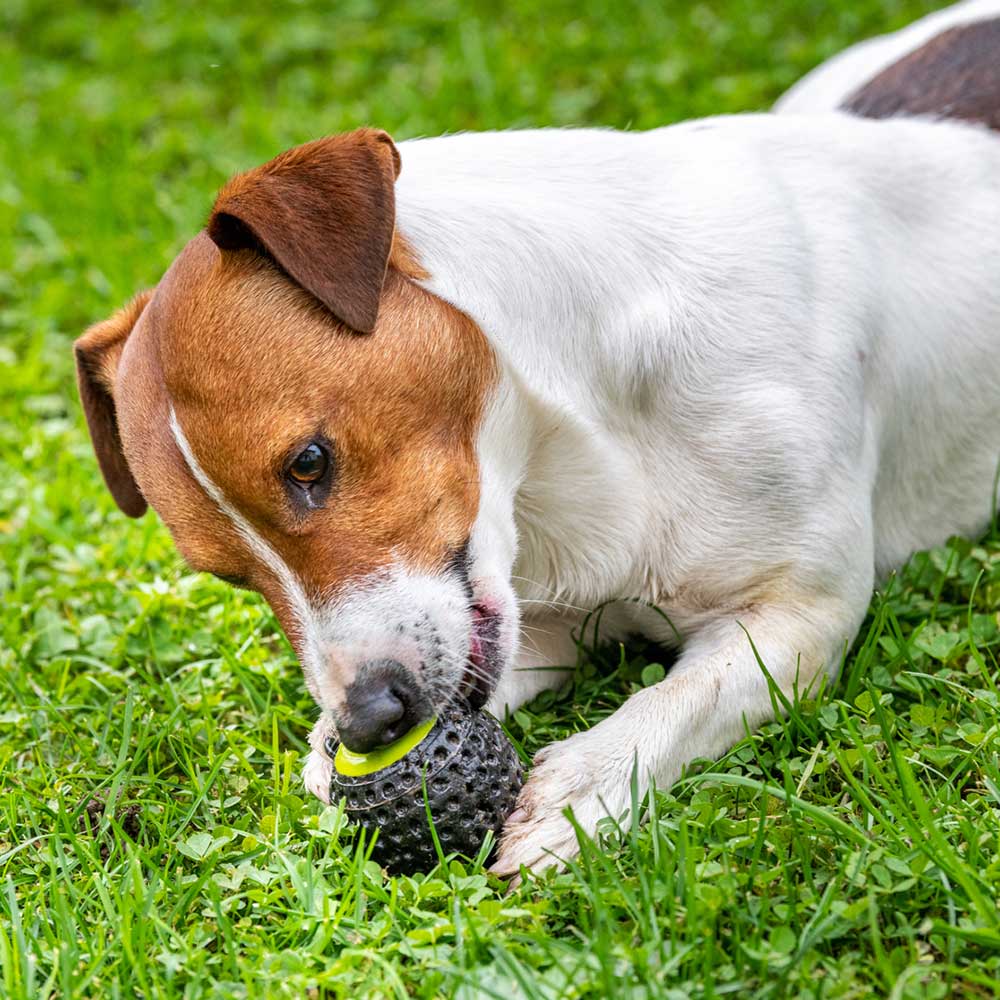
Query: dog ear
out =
(325, 212)
(97, 353)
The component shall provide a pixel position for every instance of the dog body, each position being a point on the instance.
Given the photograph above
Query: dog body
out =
(725, 373)
(747, 364)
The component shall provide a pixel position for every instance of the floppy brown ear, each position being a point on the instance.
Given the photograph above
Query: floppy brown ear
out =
(97, 353)
(325, 212)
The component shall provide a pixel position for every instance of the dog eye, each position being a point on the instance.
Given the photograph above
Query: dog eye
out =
(310, 465)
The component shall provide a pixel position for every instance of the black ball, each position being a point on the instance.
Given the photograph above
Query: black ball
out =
(472, 774)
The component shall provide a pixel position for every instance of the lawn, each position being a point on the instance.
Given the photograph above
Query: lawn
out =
(850, 851)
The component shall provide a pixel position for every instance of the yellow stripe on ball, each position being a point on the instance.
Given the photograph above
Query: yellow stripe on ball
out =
(354, 765)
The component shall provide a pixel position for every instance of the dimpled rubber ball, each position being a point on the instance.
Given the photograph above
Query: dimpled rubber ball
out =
(472, 774)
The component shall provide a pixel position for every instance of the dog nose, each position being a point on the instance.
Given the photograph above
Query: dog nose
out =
(380, 706)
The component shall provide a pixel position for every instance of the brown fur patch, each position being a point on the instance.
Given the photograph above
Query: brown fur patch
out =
(255, 369)
(955, 75)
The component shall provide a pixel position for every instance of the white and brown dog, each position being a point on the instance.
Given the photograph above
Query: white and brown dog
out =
(730, 371)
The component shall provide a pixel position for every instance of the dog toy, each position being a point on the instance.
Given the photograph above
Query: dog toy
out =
(472, 776)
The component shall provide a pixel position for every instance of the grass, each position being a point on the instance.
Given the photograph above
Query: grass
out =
(851, 850)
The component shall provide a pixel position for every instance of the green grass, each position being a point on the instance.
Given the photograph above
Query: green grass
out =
(850, 851)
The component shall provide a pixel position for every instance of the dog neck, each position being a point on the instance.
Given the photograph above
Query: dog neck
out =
(560, 285)
(529, 234)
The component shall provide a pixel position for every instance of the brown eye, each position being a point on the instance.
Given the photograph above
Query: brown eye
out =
(310, 465)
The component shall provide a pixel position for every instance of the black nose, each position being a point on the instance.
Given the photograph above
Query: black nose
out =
(382, 704)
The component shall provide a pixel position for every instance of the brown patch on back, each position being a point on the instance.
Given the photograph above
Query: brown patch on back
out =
(955, 75)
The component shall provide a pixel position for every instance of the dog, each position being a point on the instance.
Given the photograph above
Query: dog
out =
(436, 401)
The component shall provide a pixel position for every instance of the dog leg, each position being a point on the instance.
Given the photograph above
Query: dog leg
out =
(713, 693)
(318, 768)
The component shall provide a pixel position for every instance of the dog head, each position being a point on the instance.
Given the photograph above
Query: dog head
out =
(304, 417)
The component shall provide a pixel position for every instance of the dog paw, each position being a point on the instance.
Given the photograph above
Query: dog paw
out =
(573, 774)
(317, 773)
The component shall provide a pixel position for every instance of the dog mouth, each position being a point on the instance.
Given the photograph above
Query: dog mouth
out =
(482, 671)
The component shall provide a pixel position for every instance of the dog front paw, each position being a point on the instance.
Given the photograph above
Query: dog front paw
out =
(317, 772)
(573, 774)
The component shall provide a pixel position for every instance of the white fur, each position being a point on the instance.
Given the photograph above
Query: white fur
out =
(829, 85)
(747, 364)
(405, 616)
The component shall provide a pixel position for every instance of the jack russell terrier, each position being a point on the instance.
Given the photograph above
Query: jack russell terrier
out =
(729, 372)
